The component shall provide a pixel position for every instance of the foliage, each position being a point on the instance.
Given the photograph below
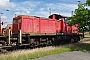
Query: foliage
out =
(88, 2)
(88, 23)
(81, 17)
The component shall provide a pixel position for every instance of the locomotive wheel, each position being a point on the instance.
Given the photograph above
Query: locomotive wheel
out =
(3, 43)
(32, 43)
(53, 41)
(38, 45)
(77, 39)
(47, 42)
(50, 42)
(72, 40)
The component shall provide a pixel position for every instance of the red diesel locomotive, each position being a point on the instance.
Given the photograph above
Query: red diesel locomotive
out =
(37, 31)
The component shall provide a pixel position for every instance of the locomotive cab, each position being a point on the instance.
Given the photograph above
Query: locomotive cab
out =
(57, 17)
(62, 20)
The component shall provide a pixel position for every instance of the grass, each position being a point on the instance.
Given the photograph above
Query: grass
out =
(81, 47)
(36, 53)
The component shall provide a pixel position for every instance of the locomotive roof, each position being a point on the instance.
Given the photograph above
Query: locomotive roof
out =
(50, 15)
(59, 15)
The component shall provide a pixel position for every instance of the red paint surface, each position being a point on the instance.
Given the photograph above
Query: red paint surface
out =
(68, 29)
(47, 26)
(74, 29)
(58, 26)
(8, 26)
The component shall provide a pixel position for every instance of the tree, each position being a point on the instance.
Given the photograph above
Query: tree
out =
(88, 2)
(81, 17)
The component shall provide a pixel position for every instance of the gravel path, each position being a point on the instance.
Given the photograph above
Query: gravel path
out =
(75, 55)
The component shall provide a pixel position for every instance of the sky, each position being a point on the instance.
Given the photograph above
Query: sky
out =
(39, 8)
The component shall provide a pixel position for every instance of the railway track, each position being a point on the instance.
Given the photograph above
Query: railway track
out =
(5, 49)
